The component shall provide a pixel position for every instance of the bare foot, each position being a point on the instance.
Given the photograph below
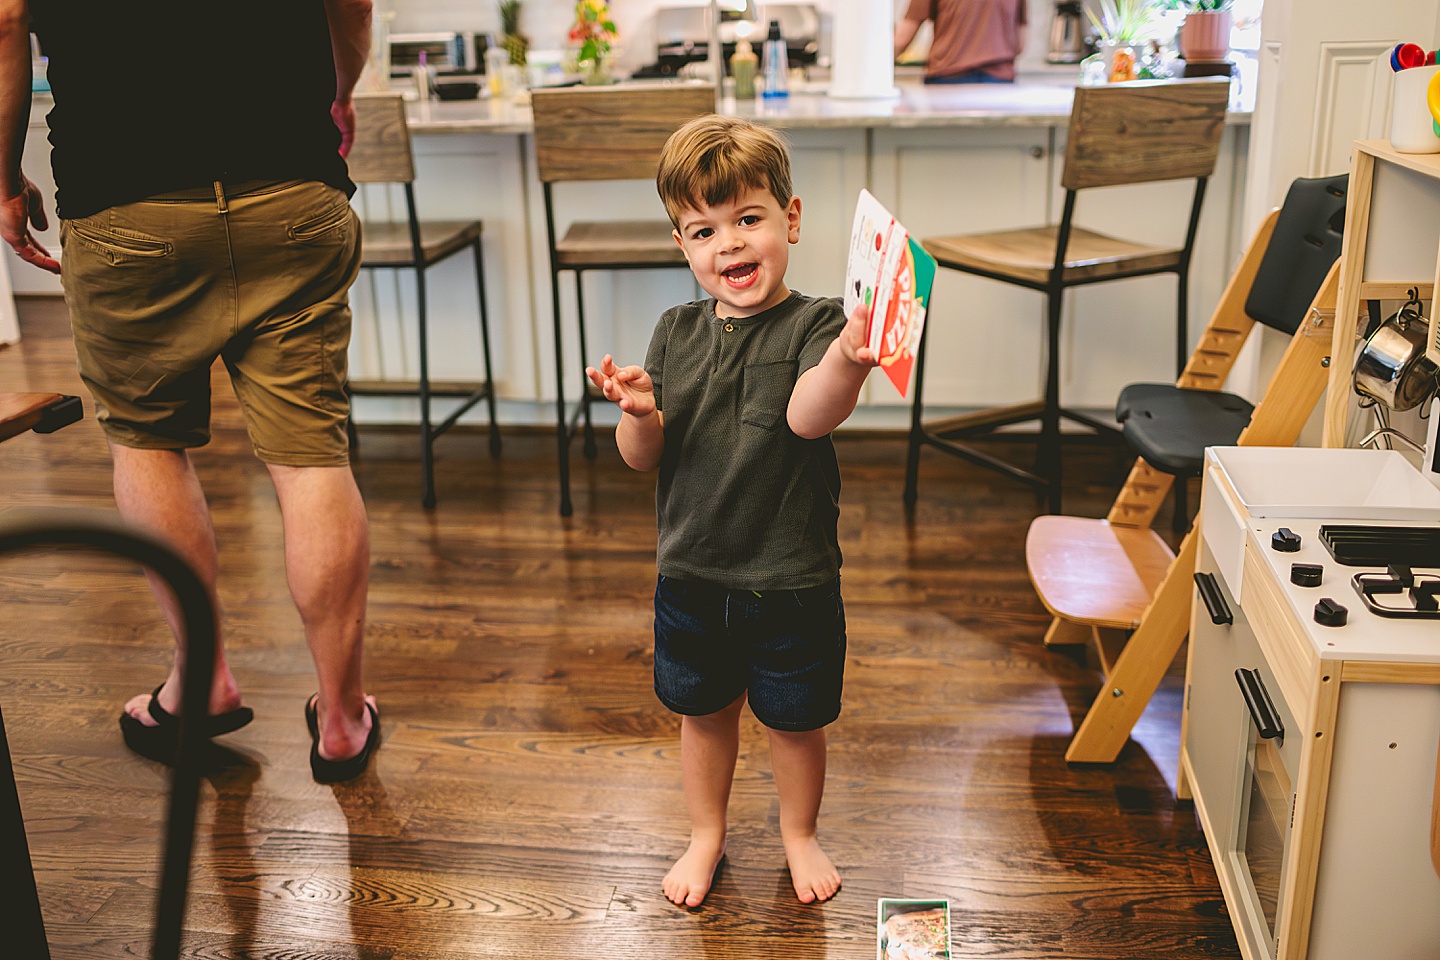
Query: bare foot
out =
(689, 880)
(814, 876)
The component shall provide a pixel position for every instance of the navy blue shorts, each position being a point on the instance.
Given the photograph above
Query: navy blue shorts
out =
(785, 648)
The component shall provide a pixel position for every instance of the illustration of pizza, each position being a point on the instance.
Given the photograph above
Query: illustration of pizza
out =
(918, 935)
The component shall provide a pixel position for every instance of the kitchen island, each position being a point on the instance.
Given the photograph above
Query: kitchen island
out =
(944, 159)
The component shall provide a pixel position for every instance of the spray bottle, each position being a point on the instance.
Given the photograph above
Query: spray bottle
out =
(776, 63)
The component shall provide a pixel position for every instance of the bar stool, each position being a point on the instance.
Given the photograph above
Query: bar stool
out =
(382, 153)
(632, 123)
(1126, 133)
(20, 908)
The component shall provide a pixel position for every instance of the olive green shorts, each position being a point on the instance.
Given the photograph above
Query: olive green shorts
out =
(257, 274)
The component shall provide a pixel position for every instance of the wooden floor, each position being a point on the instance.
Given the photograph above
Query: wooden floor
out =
(526, 799)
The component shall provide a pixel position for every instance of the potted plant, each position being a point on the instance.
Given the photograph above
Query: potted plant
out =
(595, 33)
(515, 43)
(1205, 34)
(1123, 28)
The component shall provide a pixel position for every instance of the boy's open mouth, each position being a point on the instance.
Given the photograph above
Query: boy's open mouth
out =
(740, 274)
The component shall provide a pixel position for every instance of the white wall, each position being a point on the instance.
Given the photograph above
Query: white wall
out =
(1324, 81)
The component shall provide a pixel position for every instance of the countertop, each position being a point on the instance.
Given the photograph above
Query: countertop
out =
(1041, 99)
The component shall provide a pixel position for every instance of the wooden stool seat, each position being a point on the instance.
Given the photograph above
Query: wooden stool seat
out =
(1030, 254)
(591, 243)
(1094, 572)
(387, 244)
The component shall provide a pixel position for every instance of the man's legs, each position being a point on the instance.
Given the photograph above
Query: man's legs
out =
(798, 760)
(708, 748)
(158, 490)
(327, 564)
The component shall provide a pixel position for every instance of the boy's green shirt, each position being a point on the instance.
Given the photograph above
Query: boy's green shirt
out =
(742, 501)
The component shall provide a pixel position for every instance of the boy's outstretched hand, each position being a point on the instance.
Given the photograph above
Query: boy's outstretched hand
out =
(854, 338)
(629, 387)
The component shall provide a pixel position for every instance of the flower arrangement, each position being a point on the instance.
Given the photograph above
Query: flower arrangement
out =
(1125, 21)
(593, 30)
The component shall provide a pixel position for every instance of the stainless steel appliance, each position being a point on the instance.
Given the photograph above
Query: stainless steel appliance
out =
(1070, 38)
(447, 51)
(682, 33)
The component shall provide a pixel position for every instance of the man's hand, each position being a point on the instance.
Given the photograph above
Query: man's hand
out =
(854, 339)
(18, 213)
(629, 387)
(344, 116)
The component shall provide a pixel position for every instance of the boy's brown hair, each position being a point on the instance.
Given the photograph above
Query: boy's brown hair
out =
(713, 158)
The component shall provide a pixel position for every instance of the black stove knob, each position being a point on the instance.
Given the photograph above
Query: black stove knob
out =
(1328, 613)
(1285, 540)
(1306, 574)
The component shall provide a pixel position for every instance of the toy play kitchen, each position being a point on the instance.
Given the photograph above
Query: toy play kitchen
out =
(1312, 711)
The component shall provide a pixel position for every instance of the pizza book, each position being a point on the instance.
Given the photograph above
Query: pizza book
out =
(892, 274)
(912, 929)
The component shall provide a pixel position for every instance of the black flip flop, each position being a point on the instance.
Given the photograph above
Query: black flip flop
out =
(338, 771)
(162, 741)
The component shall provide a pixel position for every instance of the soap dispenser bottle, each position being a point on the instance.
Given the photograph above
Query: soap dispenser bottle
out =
(742, 67)
(776, 63)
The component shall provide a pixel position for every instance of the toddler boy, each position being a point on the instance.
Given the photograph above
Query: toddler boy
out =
(735, 405)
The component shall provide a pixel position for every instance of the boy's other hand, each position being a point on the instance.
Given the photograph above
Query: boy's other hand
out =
(628, 387)
(854, 339)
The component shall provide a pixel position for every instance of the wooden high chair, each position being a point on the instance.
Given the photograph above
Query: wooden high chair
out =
(1114, 582)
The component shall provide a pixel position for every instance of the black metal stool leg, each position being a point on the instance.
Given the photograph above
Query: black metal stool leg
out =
(590, 449)
(1182, 324)
(1047, 454)
(427, 436)
(562, 431)
(917, 430)
(485, 351)
(20, 907)
(1180, 522)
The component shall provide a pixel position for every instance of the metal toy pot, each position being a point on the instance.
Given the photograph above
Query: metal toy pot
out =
(1392, 367)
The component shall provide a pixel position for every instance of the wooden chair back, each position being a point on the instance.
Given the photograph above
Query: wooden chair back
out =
(1144, 131)
(611, 133)
(381, 152)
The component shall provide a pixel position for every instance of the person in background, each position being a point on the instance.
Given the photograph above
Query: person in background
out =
(734, 405)
(976, 41)
(204, 211)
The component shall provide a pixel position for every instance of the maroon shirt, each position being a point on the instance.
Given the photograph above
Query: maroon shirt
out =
(971, 35)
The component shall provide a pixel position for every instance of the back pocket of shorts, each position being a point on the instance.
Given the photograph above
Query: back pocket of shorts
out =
(117, 244)
(319, 227)
(766, 392)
